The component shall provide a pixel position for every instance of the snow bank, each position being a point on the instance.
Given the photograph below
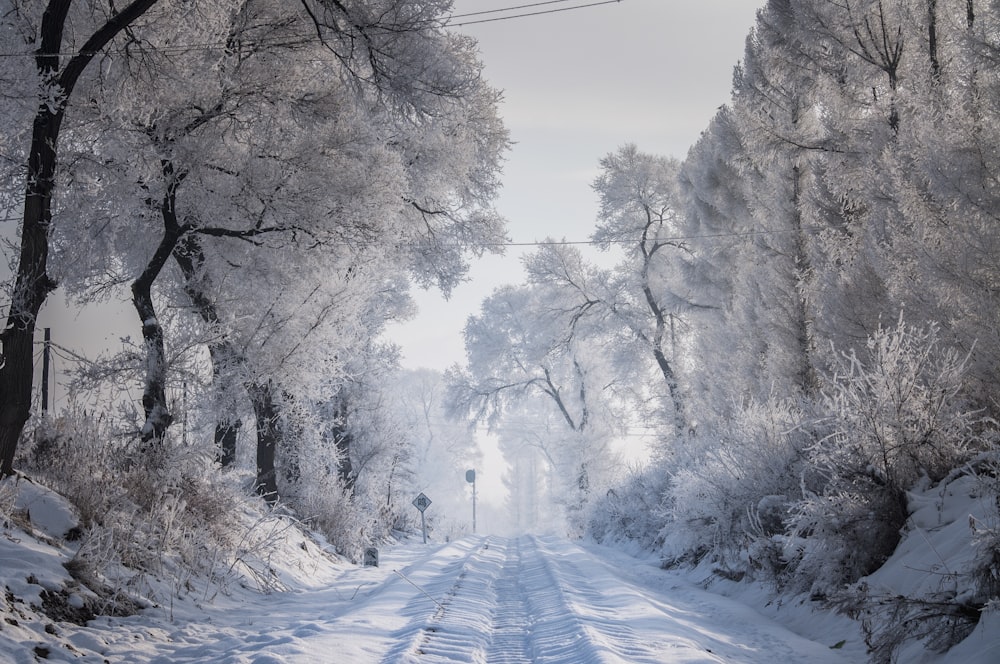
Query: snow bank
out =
(44, 509)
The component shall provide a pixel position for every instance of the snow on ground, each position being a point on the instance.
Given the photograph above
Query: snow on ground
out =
(931, 562)
(477, 599)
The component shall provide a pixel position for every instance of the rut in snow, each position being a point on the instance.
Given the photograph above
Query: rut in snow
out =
(508, 602)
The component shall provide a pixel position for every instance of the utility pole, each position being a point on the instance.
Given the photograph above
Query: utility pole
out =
(45, 370)
(470, 477)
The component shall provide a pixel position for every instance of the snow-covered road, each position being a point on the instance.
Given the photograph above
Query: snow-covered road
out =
(478, 599)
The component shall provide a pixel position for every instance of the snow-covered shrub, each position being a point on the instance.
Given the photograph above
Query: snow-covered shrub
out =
(890, 620)
(840, 536)
(633, 511)
(942, 578)
(332, 511)
(892, 417)
(985, 568)
(157, 511)
(897, 414)
(736, 493)
(79, 457)
(8, 494)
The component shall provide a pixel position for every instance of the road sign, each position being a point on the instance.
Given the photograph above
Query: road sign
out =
(470, 476)
(421, 502)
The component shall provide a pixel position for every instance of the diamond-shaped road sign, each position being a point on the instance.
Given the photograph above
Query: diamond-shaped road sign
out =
(421, 502)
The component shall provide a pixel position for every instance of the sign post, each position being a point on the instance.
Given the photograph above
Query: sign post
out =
(422, 502)
(470, 477)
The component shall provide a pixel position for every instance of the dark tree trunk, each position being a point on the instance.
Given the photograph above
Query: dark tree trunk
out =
(549, 388)
(269, 437)
(808, 379)
(190, 257)
(660, 330)
(154, 396)
(932, 42)
(343, 439)
(32, 283)
(225, 440)
(660, 335)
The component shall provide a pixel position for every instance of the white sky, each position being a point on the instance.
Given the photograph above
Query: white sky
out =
(578, 85)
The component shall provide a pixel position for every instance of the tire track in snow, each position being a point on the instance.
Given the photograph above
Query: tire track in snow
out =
(559, 633)
(511, 619)
(631, 619)
(459, 625)
(602, 622)
(514, 602)
(546, 600)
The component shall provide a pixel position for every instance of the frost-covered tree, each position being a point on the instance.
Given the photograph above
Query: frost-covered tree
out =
(538, 496)
(775, 112)
(849, 179)
(522, 354)
(640, 214)
(277, 183)
(64, 40)
(716, 210)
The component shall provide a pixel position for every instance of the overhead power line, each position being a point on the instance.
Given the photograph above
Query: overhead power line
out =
(511, 9)
(526, 14)
(292, 39)
(673, 238)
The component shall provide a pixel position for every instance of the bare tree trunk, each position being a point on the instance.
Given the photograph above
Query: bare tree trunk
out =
(808, 379)
(225, 439)
(932, 42)
(32, 283)
(190, 257)
(660, 322)
(269, 435)
(154, 396)
(343, 439)
(660, 335)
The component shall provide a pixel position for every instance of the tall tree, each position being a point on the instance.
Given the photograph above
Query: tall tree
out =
(640, 212)
(60, 60)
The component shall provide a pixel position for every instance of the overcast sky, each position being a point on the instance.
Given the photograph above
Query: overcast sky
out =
(577, 85)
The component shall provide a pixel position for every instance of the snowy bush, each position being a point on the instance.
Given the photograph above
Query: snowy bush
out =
(942, 578)
(159, 511)
(737, 492)
(79, 457)
(896, 413)
(985, 568)
(332, 511)
(840, 536)
(890, 621)
(8, 493)
(892, 417)
(633, 511)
